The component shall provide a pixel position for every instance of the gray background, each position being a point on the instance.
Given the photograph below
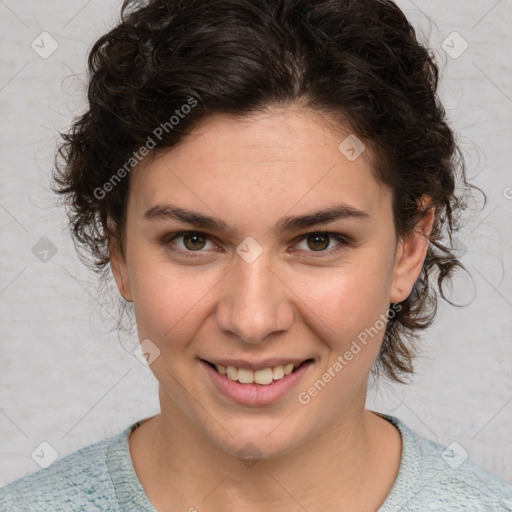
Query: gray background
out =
(65, 379)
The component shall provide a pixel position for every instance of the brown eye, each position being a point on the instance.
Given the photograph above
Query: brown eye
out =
(194, 241)
(190, 244)
(318, 241)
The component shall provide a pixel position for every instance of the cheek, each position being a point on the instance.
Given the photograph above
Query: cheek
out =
(347, 312)
(347, 300)
(167, 302)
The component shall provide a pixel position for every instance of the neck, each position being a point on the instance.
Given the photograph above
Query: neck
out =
(177, 464)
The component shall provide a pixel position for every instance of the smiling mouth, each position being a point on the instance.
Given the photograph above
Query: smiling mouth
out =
(264, 377)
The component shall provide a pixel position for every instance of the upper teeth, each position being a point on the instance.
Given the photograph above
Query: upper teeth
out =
(264, 376)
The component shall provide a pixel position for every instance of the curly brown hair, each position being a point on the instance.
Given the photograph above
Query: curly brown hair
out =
(358, 62)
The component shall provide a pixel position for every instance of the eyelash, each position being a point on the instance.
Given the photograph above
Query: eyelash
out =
(343, 242)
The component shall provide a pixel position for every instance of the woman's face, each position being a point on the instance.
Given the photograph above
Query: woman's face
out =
(261, 285)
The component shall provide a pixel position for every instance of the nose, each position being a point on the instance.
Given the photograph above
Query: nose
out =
(254, 304)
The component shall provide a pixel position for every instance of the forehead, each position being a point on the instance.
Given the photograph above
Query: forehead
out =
(265, 163)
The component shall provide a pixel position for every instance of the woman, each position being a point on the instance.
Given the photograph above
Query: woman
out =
(271, 183)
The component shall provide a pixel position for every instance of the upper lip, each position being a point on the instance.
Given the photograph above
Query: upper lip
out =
(257, 365)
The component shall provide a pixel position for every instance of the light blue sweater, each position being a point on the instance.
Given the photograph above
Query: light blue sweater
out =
(101, 476)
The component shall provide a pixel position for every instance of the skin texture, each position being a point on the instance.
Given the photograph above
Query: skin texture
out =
(291, 301)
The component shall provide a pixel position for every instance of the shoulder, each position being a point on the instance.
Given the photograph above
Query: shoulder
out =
(437, 477)
(78, 481)
(453, 480)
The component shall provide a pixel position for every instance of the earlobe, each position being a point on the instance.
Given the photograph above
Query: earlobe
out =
(120, 271)
(411, 253)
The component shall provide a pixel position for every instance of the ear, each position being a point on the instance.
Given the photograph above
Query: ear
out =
(411, 253)
(120, 270)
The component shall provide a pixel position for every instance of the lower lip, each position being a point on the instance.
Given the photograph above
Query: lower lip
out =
(256, 394)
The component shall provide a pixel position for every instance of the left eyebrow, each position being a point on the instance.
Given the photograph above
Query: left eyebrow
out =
(286, 224)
